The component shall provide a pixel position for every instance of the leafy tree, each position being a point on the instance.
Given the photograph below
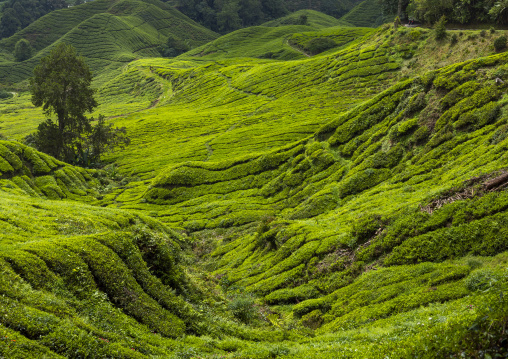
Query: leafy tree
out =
(251, 12)
(440, 29)
(9, 23)
(274, 8)
(227, 18)
(62, 86)
(22, 50)
(5, 94)
(394, 7)
(173, 47)
(500, 43)
(319, 44)
(303, 20)
(499, 12)
(102, 139)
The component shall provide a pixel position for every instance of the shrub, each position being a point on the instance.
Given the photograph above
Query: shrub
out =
(396, 22)
(22, 50)
(320, 44)
(440, 29)
(454, 39)
(481, 280)
(483, 33)
(242, 307)
(366, 227)
(5, 94)
(500, 43)
(313, 320)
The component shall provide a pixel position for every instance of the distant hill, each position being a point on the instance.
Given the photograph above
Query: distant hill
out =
(335, 8)
(315, 19)
(366, 14)
(108, 33)
(270, 40)
(227, 16)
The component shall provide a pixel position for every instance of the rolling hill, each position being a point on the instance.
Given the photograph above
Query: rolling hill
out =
(108, 33)
(350, 204)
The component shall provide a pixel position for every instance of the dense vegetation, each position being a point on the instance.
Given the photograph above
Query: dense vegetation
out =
(18, 14)
(457, 11)
(225, 16)
(274, 202)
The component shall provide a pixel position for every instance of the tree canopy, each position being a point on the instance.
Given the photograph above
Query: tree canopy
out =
(62, 86)
(18, 14)
(456, 11)
(22, 50)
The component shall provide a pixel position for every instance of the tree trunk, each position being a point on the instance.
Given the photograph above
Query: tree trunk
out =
(399, 9)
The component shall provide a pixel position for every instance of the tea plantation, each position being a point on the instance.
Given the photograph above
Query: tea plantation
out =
(274, 202)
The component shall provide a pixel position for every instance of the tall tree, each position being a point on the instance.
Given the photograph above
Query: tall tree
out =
(62, 86)
(22, 50)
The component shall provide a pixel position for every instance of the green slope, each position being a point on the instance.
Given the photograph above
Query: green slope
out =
(108, 33)
(315, 19)
(359, 195)
(367, 13)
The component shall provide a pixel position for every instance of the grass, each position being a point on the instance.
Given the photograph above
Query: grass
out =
(338, 205)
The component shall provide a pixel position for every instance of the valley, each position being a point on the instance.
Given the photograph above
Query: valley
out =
(274, 202)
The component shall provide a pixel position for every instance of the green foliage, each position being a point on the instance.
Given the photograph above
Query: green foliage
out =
(62, 86)
(440, 29)
(318, 45)
(22, 50)
(481, 280)
(173, 47)
(5, 94)
(500, 43)
(243, 308)
(19, 14)
(352, 200)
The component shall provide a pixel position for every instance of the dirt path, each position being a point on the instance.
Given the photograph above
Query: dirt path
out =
(297, 49)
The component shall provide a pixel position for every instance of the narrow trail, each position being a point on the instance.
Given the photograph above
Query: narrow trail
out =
(229, 79)
(297, 49)
(152, 105)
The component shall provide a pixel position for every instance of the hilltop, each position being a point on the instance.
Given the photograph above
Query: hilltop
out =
(347, 203)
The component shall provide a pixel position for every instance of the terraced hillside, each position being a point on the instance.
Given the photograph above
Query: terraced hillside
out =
(367, 13)
(350, 204)
(108, 33)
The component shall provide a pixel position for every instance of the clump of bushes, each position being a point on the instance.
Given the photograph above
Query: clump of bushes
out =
(243, 307)
(500, 43)
(22, 50)
(366, 227)
(454, 40)
(4, 94)
(173, 47)
(440, 29)
(481, 279)
(318, 45)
